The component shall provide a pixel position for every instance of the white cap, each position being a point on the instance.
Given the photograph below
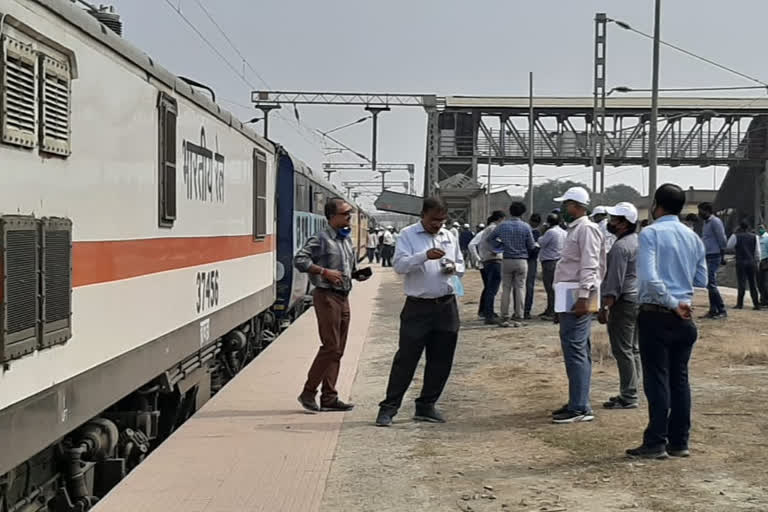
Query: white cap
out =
(599, 210)
(466, 225)
(626, 210)
(578, 194)
(456, 224)
(390, 227)
(481, 225)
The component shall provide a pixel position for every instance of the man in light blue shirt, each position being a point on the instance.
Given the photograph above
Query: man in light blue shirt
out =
(713, 236)
(670, 262)
(429, 258)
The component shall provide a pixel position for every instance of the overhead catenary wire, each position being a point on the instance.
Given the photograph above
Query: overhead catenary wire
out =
(711, 62)
(231, 66)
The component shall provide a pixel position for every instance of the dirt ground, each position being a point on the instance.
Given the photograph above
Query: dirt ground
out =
(500, 452)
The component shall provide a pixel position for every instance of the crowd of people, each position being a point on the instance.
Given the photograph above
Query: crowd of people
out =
(607, 264)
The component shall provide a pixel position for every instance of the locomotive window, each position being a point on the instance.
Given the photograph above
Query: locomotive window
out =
(167, 114)
(259, 195)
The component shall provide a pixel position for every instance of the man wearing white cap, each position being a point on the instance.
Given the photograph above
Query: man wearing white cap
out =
(455, 231)
(581, 263)
(620, 308)
(600, 217)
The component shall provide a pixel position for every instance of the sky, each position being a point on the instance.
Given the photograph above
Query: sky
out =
(444, 47)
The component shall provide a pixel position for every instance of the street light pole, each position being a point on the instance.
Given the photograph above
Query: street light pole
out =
(530, 143)
(652, 143)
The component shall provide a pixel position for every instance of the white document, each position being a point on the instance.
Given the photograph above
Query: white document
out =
(566, 295)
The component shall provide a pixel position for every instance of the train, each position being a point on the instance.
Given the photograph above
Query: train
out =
(146, 241)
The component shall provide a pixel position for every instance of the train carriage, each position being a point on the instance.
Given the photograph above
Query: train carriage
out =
(137, 235)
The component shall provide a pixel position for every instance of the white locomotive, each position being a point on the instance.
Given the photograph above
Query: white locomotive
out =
(138, 249)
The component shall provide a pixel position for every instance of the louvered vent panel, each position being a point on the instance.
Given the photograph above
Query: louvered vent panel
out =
(55, 111)
(20, 299)
(57, 281)
(19, 94)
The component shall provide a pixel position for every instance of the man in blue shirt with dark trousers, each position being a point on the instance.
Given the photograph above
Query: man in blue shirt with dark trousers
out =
(713, 236)
(670, 262)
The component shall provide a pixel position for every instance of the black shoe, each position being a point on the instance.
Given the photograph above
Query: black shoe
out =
(678, 452)
(527, 316)
(757, 308)
(309, 404)
(384, 419)
(570, 416)
(646, 452)
(428, 414)
(560, 410)
(617, 402)
(738, 306)
(337, 406)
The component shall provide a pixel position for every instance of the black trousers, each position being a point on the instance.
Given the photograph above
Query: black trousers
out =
(747, 273)
(666, 343)
(431, 326)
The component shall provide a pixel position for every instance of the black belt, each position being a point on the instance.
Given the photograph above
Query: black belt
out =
(655, 308)
(343, 293)
(436, 300)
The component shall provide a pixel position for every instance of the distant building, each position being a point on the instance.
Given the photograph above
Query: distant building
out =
(498, 200)
(692, 199)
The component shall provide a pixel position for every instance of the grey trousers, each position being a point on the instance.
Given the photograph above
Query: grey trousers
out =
(622, 330)
(513, 275)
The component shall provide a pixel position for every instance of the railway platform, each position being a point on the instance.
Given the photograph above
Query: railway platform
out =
(251, 448)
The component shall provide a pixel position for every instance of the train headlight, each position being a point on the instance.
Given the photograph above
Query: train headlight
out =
(279, 271)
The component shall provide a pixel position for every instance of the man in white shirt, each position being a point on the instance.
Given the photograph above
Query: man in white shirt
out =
(388, 247)
(371, 243)
(600, 217)
(455, 231)
(429, 258)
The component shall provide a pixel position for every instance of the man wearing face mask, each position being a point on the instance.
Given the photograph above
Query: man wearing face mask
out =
(329, 259)
(619, 308)
(582, 262)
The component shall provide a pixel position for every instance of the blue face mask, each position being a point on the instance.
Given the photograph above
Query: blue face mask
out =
(344, 232)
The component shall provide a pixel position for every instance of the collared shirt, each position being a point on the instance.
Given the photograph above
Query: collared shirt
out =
(515, 237)
(608, 238)
(713, 236)
(481, 249)
(742, 244)
(328, 250)
(424, 278)
(373, 241)
(551, 244)
(582, 259)
(671, 260)
(764, 247)
(389, 238)
(621, 269)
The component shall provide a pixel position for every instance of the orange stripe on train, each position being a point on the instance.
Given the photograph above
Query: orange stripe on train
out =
(105, 261)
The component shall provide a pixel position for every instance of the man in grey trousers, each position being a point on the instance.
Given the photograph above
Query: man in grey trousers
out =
(620, 308)
(515, 238)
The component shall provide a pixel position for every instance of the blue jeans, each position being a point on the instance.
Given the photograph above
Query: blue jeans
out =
(577, 352)
(492, 282)
(716, 305)
(666, 342)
